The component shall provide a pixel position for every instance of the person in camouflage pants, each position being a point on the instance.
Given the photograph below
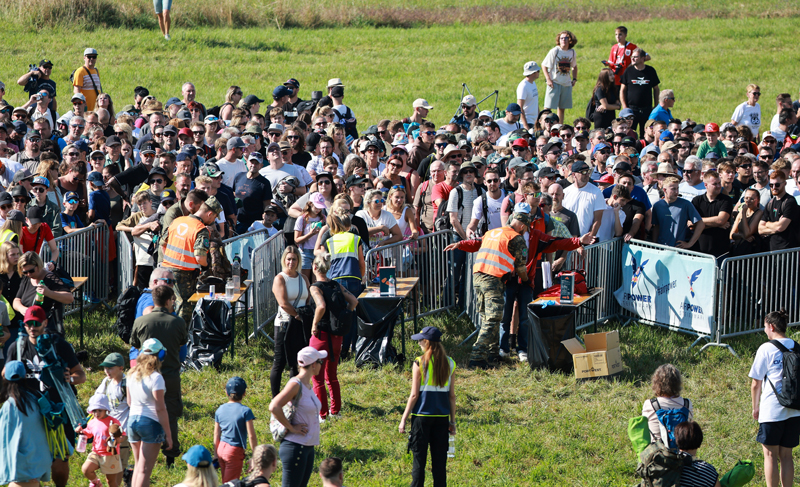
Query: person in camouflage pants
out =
(501, 252)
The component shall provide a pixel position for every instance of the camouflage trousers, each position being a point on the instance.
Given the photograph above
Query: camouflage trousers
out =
(490, 301)
(185, 286)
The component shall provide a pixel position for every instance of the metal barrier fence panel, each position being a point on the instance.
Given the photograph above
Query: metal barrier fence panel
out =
(126, 262)
(244, 245)
(754, 285)
(602, 264)
(266, 264)
(84, 254)
(424, 258)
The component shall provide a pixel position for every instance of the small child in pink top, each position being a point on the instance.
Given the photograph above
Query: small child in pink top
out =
(105, 450)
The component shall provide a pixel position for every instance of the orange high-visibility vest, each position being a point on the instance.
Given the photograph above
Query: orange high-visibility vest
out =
(494, 258)
(179, 253)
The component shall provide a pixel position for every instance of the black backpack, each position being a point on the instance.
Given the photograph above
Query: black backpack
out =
(126, 312)
(341, 317)
(441, 221)
(789, 396)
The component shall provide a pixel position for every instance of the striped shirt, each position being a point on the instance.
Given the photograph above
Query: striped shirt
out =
(699, 474)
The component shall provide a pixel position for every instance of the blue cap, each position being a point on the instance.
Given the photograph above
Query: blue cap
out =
(600, 146)
(235, 385)
(42, 180)
(95, 177)
(514, 109)
(152, 346)
(198, 456)
(625, 113)
(82, 145)
(15, 370)
(281, 91)
(173, 101)
(189, 149)
(71, 195)
(666, 135)
(430, 333)
(182, 156)
(19, 126)
(522, 207)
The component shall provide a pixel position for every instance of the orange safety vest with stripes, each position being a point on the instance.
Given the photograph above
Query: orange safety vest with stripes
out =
(179, 253)
(494, 258)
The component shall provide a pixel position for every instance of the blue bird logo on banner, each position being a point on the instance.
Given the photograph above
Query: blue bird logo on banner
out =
(692, 280)
(637, 271)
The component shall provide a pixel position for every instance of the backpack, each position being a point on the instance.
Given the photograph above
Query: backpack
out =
(126, 312)
(661, 466)
(441, 221)
(341, 317)
(669, 418)
(483, 224)
(789, 396)
(350, 123)
(215, 110)
(591, 108)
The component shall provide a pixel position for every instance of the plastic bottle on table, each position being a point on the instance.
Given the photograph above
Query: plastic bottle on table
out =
(236, 273)
(392, 286)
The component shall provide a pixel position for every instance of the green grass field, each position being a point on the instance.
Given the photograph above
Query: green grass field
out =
(516, 427)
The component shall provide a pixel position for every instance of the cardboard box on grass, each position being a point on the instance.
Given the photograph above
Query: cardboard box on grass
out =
(600, 357)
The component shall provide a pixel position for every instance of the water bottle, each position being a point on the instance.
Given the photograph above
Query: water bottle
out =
(236, 268)
(392, 286)
(451, 447)
(39, 299)
(81, 447)
(211, 292)
(229, 290)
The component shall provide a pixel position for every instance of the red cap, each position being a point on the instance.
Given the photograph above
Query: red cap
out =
(35, 313)
(711, 127)
(519, 143)
(606, 179)
(185, 131)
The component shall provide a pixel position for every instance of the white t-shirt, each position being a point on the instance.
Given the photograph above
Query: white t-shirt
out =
(584, 202)
(688, 192)
(769, 362)
(506, 127)
(775, 130)
(274, 176)
(528, 92)
(143, 402)
(465, 213)
(141, 243)
(231, 169)
(385, 218)
(316, 164)
(559, 64)
(260, 226)
(300, 173)
(749, 116)
(606, 231)
(495, 221)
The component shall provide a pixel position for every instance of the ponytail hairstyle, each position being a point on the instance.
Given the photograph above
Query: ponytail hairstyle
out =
(263, 457)
(339, 221)
(22, 397)
(778, 319)
(441, 366)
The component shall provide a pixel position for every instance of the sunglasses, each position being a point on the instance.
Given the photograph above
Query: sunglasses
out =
(430, 133)
(29, 271)
(72, 154)
(604, 151)
(33, 324)
(92, 56)
(324, 181)
(396, 165)
(167, 281)
(443, 144)
(167, 204)
(156, 181)
(98, 158)
(555, 152)
(121, 133)
(535, 195)
(757, 93)
(775, 185)
(470, 171)
(293, 137)
(6, 207)
(76, 126)
(277, 134)
(285, 152)
(379, 201)
(399, 186)
(39, 189)
(158, 134)
(72, 202)
(20, 200)
(492, 181)
(585, 172)
(198, 132)
(746, 166)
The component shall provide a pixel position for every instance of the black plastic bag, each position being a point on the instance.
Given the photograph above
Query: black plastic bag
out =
(211, 333)
(376, 320)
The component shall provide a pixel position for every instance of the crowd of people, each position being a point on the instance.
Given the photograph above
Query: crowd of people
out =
(519, 187)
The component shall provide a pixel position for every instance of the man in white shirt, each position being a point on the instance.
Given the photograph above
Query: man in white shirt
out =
(297, 171)
(275, 172)
(233, 164)
(528, 95)
(692, 184)
(784, 101)
(510, 122)
(494, 200)
(325, 147)
(585, 200)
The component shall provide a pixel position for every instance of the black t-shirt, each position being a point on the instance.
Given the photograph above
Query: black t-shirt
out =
(715, 241)
(639, 86)
(10, 288)
(777, 208)
(604, 119)
(227, 199)
(301, 159)
(33, 364)
(27, 292)
(631, 209)
(252, 193)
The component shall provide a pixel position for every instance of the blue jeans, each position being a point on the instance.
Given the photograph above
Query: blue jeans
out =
(522, 294)
(298, 463)
(355, 288)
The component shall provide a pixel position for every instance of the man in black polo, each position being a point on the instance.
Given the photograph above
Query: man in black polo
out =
(779, 221)
(639, 89)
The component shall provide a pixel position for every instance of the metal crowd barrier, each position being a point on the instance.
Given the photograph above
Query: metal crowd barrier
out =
(752, 286)
(244, 245)
(85, 254)
(126, 262)
(266, 264)
(424, 258)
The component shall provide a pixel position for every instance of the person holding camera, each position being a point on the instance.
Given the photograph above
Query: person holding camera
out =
(38, 78)
(38, 106)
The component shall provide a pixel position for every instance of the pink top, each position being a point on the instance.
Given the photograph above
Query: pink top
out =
(307, 413)
(98, 428)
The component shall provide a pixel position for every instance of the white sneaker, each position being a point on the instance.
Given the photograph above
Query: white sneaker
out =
(322, 420)
(503, 354)
(523, 357)
(166, 36)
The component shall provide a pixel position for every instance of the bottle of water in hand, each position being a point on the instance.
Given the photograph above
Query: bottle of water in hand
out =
(451, 447)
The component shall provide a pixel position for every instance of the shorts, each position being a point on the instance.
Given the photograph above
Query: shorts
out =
(308, 258)
(109, 464)
(784, 433)
(559, 96)
(161, 5)
(142, 428)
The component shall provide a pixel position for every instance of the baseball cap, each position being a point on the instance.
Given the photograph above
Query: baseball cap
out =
(622, 166)
(600, 146)
(89, 51)
(252, 100)
(668, 145)
(5, 198)
(711, 128)
(549, 146)
(113, 360)
(35, 214)
(152, 346)
(581, 135)
(516, 162)
(16, 215)
(551, 117)
(184, 115)
(309, 355)
(168, 195)
(529, 68)
(15, 370)
(628, 141)
(318, 200)
(20, 126)
(711, 155)
(41, 181)
(523, 217)
(272, 145)
(400, 138)
(97, 152)
(35, 313)
(337, 91)
(520, 142)
(98, 401)
(546, 172)
(768, 134)
(275, 127)
(579, 166)
(210, 119)
(279, 92)
(173, 101)
(292, 82)
(353, 180)
(236, 142)
(422, 103)
(666, 135)
(256, 156)
(78, 96)
(514, 109)
(699, 128)
(335, 82)
(198, 457)
(97, 178)
(606, 179)
(211, 169)
(184, 131)
(46, 63)
(469, 100)
(235, 385)
(625, 113)
(430, 333)
(113, 140)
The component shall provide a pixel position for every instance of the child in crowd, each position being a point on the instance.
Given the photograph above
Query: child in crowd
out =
(100, 458)
(270, 216)
(71, 222)
(115, 388)
(99, 200)
(143, 228)
(306, 230)
(262, 465)
(233, 424)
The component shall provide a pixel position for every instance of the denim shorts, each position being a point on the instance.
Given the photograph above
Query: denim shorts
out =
(161, 5)
(308, 258)
(142, 428)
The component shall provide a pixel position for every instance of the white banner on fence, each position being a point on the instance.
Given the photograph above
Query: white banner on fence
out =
(668, 288)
